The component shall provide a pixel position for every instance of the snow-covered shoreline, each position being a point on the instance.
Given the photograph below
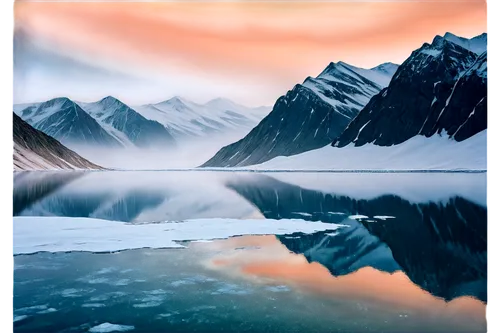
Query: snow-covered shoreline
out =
(65, 234)
(437, 154)
(418, 154)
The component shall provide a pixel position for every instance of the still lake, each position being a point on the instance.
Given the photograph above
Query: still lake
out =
(410, 255)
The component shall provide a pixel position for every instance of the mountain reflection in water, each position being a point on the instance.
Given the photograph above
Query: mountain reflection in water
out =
(441, 246)
(415, 248)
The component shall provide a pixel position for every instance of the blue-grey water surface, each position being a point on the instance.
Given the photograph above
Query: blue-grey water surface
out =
(419, 267)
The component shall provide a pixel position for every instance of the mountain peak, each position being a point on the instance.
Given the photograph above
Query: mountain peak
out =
(58, 101)
(110, 102)
(438, 41)
(450, 35)
(332, 68)
(175, 100)
(387, 67)
(221, 101)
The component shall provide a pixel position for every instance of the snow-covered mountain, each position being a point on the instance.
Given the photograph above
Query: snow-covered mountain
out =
(476, 44)
(104, 124)
(34, 150)
(309, 116)
(186, 119)
(67, 122)
(126, 125)
(440, 89)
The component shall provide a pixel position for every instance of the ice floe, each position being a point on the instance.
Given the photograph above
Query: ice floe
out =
(108, 327)
(63, 234)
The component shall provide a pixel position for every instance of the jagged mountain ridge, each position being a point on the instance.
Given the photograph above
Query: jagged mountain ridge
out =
(476, 44)
(186, 119)
(34, 150)
(441, 87)
(67, 122)
(430, 241)
(309, 116)
(126, 124)
(160, 124)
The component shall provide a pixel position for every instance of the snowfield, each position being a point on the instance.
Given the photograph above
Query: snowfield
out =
(63, 234)
(418, 153)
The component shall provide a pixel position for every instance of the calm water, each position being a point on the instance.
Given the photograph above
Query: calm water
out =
(415, 263)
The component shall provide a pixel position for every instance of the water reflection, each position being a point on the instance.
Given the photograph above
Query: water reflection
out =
(129, 196)
(441, 246)
(242, 284)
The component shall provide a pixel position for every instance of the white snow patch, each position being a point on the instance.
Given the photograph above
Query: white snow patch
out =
(431, 52)
(418, 153)
(61, 234)
(303, 214)
(108, 327)
(358, 217)
(383, 217)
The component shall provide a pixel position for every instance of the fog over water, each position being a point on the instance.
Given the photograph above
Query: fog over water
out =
(189, 153)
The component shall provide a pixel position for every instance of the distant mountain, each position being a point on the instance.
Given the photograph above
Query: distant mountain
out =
(440, 89)
(430, 241)
(126, 125)
(67, 122)
(186, 119)
(309, 116)
(476, 44)
(34, 150)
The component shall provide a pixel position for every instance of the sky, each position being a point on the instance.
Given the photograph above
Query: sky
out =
(249, 51)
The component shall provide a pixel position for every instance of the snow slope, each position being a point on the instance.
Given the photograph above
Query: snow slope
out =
(417, 153)
(61, 234)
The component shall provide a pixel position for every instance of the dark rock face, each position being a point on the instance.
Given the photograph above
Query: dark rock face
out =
(34, 150)
(441, 246)
(441, 88)
(309, 116)
(64, 120)
(139, 130)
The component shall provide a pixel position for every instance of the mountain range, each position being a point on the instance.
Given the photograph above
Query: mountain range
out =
(187, 120)
(35, 150)
(111, 123)
(441, 89)
(309, 116)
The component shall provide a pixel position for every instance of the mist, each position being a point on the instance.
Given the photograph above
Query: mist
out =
(189, 153)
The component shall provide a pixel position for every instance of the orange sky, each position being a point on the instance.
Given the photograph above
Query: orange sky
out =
(251, 50)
